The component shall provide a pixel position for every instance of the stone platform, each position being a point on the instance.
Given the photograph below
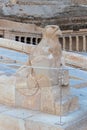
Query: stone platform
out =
(23, 119)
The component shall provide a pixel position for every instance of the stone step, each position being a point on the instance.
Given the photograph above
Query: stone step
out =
(23, 119)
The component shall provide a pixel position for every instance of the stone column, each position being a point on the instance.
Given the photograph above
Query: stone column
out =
(36, 40)
(64, 43)
(24, 39)
(31, 42)
(84, 43)
(19, 38)
(70, 43)
(77, 43)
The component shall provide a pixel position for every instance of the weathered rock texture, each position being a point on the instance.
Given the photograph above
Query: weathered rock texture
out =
(45, 12)
(79, 2)
(43, 79)
(14, 45)
(76, 60)
(39, 84)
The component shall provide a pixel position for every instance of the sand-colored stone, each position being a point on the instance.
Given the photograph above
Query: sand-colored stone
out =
(43, 81)
(23, 119)
(17, 46)
(47, 55)
(75, 59)
(67, 105)
(45, 72)
(13, 1)
(7, 90)
(47, 47)
(38, 84)
(65, 77)
(7, 27)
(28, 98)
(11, 123)
(32, 125)
(43, 66)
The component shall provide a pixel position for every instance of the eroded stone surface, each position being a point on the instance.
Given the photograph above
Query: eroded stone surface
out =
(38, 84)
(41, 85)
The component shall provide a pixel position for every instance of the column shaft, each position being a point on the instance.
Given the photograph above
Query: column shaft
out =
(70, 43)
(77, 43)
(84, 43)
(36, 40)
(63, 43)
(31, 42)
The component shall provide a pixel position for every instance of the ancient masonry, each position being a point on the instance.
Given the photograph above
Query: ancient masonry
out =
(36, 88)
(79, 1)
(32, 34)
(38, 96)
(69, 1)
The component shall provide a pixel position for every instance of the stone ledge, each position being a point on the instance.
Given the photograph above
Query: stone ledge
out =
(23, 119)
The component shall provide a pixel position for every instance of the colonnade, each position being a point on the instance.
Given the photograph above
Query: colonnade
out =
(74, 43)
(28, 40)
(69, 43)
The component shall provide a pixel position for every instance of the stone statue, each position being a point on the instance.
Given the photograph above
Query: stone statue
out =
(43, 77)
(49, 46)
(47, 54)
(38, 84)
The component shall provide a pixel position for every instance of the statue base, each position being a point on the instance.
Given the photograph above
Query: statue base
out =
(56, 100)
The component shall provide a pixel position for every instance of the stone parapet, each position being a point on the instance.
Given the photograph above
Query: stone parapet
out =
(79, 2)
(75, 59)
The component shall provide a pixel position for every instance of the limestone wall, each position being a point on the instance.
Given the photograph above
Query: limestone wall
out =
(40, 2)
(16, 26)
(46, 1)
(79, 1)
(26, 33)
(72, 1)
(13, 1)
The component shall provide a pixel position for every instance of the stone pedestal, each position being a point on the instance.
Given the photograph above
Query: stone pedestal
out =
(44, 96)
(23, 119)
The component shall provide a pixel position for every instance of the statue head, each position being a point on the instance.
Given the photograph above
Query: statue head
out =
(52, 31)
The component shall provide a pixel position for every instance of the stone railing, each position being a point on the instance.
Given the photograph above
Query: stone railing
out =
(70, 57)
(39, 2)
(75, 59)
(17, 46)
